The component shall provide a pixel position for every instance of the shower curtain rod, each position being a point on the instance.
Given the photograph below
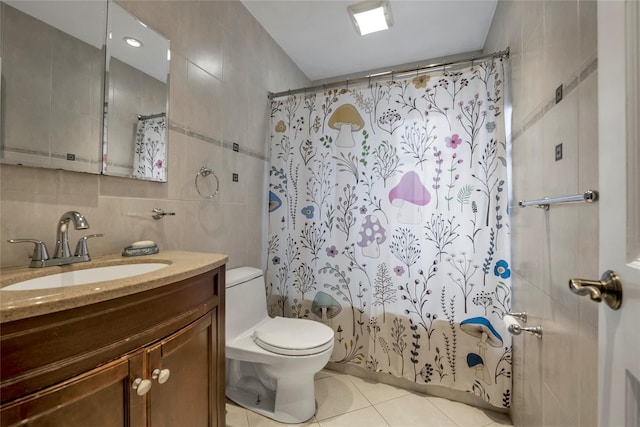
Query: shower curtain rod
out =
(392, 73)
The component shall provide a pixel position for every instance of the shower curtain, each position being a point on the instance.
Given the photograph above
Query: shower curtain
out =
(388, 222)
(149, 160)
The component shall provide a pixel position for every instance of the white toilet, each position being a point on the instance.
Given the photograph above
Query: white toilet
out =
(271, 362)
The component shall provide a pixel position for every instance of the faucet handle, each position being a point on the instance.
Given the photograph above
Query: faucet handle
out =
(39, 251)
(81, 248)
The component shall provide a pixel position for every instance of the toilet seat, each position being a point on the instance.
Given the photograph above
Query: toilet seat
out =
(293, 337)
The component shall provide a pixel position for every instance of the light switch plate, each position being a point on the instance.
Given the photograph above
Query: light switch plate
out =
(558, 152)
(559, 94)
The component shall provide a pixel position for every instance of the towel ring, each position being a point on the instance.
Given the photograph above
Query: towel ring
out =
(205, 172)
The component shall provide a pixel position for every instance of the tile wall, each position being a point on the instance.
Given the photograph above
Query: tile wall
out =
(553, 43)
(223, 64)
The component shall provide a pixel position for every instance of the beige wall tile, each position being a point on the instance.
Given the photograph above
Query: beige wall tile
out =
(169, 18)
(558, 42)
(561, 43)
(560, 126)
(205, 107)
(588, 21)
(206, 37)
(532, 69)
(560, 351)
(553, 413)
(588, 361)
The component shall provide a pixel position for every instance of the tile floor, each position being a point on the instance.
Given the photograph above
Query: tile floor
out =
(348, 401)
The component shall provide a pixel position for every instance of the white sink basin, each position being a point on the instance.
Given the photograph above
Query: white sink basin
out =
(85, 277)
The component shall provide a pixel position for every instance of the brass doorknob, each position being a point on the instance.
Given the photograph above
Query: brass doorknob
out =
(608, 288)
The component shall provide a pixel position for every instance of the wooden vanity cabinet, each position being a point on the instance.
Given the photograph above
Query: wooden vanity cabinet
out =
(171, 339)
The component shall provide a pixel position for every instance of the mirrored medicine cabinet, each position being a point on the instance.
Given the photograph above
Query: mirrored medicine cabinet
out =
(84, 88)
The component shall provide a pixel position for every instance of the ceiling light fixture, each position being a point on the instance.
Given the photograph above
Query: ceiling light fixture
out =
(133, 42)
(371, 16)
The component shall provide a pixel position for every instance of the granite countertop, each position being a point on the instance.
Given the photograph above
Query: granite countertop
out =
(15, 305)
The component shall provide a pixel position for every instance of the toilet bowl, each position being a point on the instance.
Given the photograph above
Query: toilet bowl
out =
(270, 362)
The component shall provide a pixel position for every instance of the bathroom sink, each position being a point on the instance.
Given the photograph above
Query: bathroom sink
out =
(85, 277)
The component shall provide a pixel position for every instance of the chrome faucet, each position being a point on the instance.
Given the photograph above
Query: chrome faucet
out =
(62, 254)
(62, 233)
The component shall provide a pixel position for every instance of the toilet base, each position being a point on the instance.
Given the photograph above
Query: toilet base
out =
(293, 402)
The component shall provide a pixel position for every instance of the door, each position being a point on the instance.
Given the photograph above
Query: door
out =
(95, 398)
(618, 116)
(183, 369)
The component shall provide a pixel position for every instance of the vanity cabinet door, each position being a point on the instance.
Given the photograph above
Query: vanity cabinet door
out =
(100, 397)
(182, 368)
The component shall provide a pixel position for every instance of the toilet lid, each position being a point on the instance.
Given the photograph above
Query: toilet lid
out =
(293, 336)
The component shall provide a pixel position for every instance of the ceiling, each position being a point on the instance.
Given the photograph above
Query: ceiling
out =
(320, 38)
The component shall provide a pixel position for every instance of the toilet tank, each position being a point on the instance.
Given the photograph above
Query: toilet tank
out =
(246, 301)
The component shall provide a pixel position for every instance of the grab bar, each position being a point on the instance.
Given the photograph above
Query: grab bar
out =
(588, 196)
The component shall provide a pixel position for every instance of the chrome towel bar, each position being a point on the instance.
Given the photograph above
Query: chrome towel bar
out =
(588, 196)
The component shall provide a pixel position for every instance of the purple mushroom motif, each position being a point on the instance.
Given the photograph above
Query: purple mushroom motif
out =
(371, 235)
(480, 327)
(409, 196)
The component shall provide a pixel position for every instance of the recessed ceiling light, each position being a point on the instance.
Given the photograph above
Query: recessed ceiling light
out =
(371, 16)
(133, 42)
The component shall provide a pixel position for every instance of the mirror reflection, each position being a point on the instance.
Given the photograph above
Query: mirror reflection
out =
(52, 83)
(137, 70)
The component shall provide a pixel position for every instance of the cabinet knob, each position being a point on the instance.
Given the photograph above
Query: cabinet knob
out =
(162, 375)
(141, 386)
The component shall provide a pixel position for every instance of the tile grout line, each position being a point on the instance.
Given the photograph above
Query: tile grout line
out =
(347, 412)
(544, 108)
(184, 130)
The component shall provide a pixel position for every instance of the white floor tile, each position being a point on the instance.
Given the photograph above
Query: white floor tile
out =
(413, 410)
(325, 373)
(337, 395)
(257, 420)
(503, 423)
(366, 417)
(466, 415)
(377, 392)
(236, 416)
(347, 401)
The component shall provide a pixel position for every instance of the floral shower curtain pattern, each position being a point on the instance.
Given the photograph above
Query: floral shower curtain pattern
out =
(388, 222)
(149, 160)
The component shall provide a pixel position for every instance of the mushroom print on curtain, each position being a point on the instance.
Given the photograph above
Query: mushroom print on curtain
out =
(388, 222)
